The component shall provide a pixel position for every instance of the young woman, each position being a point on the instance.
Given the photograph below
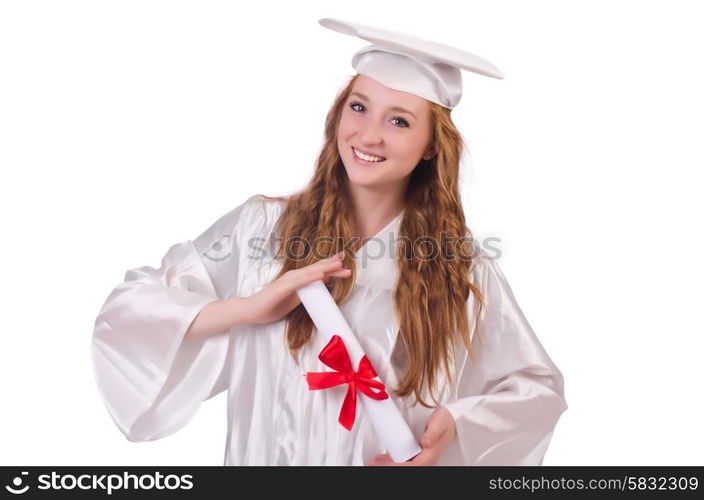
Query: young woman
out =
(382, 224)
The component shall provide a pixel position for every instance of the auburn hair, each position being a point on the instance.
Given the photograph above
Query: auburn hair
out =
(431, 295)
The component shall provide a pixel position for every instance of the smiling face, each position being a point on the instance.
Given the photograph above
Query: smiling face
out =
(382, 134)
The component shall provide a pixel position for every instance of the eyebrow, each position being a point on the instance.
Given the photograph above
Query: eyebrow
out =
(393, 108)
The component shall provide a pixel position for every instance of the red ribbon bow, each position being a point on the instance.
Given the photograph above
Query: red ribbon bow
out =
(336, 357)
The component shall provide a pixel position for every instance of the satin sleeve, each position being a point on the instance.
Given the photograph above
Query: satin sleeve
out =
(510, 398)
(150, 378)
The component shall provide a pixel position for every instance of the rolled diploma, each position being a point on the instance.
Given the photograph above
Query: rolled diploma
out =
(386, 419)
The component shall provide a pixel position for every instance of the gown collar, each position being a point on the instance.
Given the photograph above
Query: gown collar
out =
(375, 260)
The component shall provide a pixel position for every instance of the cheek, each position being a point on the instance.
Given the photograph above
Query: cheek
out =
(417, 146)
(408, 147)
(343, 129)
(341, 143)
(408, 153)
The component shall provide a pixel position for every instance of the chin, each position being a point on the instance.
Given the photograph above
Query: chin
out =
(360, 180)
(355, 178)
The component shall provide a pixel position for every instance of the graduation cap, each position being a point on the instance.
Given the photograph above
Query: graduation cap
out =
(421, 67)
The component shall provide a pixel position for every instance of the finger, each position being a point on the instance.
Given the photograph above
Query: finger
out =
(384, 459)
(342, 273)
(338, 256)
(313, 272)
(429, 438)
(308, 277)
(326, 266)
(327, 263)
(434, 431)
(425, 457)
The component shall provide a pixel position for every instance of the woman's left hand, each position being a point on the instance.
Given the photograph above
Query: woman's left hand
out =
(439, 433)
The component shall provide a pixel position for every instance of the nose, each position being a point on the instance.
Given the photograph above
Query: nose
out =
(371, 132)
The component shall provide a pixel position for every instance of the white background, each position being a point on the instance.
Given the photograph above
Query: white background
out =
(126, 127)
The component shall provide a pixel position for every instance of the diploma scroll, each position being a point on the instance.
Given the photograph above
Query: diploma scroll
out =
(387, 421)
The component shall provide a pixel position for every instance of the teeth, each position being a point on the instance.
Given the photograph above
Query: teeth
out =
(367, 157)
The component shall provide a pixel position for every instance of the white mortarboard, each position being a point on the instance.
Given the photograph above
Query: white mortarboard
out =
(402, 62)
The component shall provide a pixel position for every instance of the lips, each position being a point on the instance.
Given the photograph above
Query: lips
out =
(370, 157)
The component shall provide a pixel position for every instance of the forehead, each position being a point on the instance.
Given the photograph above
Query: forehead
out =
(384, 96)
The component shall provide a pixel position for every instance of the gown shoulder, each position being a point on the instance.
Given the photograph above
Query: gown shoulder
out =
(150, 378)
(511, 395)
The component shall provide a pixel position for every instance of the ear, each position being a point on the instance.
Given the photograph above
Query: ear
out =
(430, 154)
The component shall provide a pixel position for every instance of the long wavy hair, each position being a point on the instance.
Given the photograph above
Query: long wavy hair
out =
(430, 299)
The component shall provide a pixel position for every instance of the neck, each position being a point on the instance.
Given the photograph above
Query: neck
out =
(373, 209)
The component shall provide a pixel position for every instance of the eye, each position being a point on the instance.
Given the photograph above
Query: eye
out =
(403, 123)
(356, 104)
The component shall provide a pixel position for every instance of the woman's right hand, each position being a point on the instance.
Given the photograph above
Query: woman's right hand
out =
(278, 298)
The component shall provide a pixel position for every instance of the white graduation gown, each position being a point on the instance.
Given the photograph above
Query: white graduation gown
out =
(152, 381)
